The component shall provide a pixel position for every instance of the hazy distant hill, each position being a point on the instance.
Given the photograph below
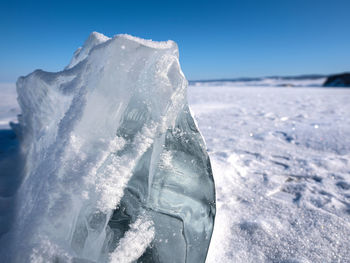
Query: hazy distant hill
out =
(315, 80)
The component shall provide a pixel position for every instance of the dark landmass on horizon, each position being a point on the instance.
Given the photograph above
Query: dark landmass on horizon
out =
(332, 80)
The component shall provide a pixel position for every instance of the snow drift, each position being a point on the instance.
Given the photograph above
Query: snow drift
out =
(116, 169)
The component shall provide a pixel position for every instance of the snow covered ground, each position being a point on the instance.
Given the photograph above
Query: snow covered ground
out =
(281, 163)
(8, 104)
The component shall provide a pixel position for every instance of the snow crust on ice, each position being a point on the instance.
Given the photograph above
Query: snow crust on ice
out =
(135, 242)
(96, 39)
(115, 168)
(81, 53)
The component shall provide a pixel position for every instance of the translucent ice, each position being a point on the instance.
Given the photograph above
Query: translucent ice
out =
(116, 169)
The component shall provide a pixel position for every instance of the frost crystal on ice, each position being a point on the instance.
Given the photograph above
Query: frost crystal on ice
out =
(116, 169)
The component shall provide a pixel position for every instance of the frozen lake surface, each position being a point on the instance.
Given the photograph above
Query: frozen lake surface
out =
(281, 163)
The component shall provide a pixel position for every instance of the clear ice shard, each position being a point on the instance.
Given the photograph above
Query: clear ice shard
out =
(116, 169)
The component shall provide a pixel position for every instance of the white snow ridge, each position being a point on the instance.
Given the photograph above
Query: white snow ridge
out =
(115, 168)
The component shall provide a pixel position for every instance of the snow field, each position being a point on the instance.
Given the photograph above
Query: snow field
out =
(281, 164)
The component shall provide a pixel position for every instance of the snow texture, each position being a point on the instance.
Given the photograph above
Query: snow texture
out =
(281, 161)
(115, 168)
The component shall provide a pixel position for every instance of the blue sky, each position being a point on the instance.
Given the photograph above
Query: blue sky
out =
(217, 39)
